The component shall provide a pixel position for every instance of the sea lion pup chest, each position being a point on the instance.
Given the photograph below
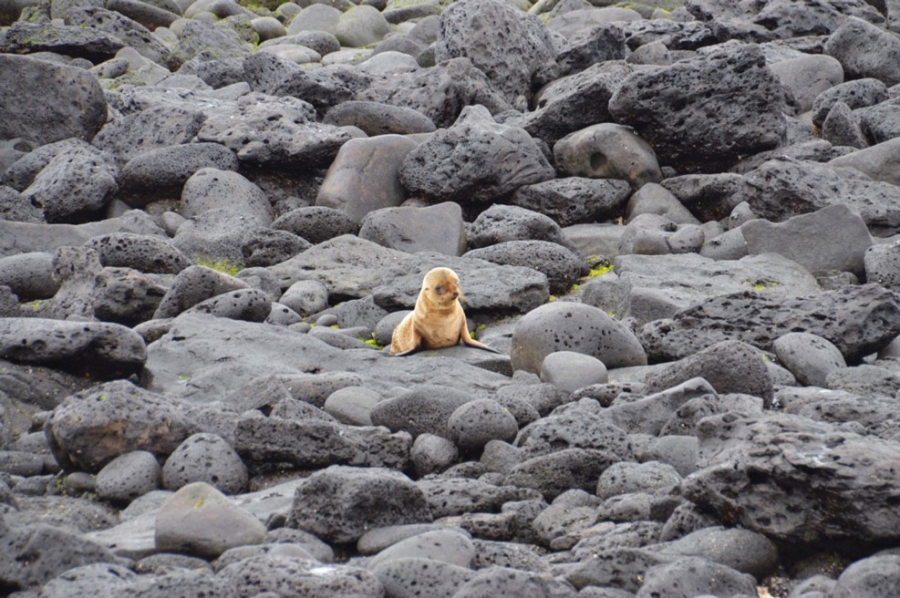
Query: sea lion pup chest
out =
(438, 319)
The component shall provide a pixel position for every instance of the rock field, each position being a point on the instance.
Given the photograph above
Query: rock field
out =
(678, 221)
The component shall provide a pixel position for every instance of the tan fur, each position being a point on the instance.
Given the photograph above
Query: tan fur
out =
(438, 319)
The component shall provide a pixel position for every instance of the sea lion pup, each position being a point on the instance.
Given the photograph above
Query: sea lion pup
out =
(438, 319)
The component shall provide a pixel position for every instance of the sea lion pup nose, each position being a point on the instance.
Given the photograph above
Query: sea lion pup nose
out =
(438, 319)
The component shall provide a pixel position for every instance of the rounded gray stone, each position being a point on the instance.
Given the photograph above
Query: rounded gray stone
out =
(565, 326)
(569, 370)
(477, 422)
(352, 405)
(809, 357)
(607, 150)
(205, 457)
(629, 477)
(432, 454)
(128, 476)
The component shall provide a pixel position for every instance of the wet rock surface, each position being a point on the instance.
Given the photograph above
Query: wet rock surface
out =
(674, 222)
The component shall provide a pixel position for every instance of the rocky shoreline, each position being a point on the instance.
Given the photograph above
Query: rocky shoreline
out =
(677, 221)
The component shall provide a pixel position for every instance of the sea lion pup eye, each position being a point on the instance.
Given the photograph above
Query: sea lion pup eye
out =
(438, 319)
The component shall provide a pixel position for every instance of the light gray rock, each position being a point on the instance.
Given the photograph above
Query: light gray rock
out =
(607, 150)
(211, 188)
(808, 76)
(200, 520)
(858, 93)
(145, 253)
(569, 370)
(439, 228)
(878, 161)
(628, 477)
(801, 239)
(352, 405)
(152, 128)
(363, 176)
(432, 454)
(500, 223)
(808, 356)
(842, 127)
(695, 576)
(449, 545)
(361, 26)
(881, 265)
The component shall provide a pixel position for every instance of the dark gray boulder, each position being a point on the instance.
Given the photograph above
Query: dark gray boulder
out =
(780, 189)
(475, 160)
(29, 101)
(426, 409)
(440, 92)
(561, 265)
(729, 366)
(451, 496)
(869, 577)
(310, 443)
(406, 576)
(316, 223)
(155, 127)
(865, 50)
(125, 296)
(92, 428)
(574, 200)
(16, 207)
(272, 574)
(340, 503)
(251, 305)
(828, 472)
(573, 429)
(120, 18)
(500, 223)
(75, 186)
(513, 49)
(560, 471)
(80, 42)
(128, 477)
(101, 349)
(146, 253)
(704, 115)
(577, 327)
(193, 285)
(859, 93)
(858, 320)
(284, 133)
(161, 172)
(205, 457)
(263, 247)
(695, 576)
(53, 551)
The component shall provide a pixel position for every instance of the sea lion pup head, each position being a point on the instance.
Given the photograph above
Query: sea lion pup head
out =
(440, 289)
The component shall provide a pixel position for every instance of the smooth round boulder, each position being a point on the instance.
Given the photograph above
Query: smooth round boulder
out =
(128, 477)
(201, 521)
(474, 424)
(809, 357)
(569, 371)
(432, 454)
(205, 457)
(607, 151)
(568, 326)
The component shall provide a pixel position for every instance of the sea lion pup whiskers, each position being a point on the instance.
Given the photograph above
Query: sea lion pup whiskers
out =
(438, 319)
